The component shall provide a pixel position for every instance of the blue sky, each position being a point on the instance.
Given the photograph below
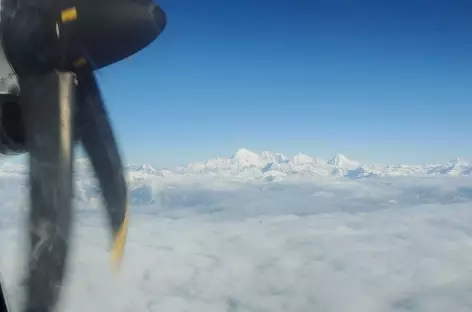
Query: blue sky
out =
(387, 81)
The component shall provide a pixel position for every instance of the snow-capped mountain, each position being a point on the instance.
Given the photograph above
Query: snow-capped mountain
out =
(251, 165)
(147, 184)
(342, 162)
(246, 164)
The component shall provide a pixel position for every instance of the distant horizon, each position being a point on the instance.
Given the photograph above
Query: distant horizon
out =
(21, 159)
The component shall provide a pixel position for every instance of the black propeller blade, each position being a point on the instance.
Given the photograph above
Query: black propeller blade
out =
(3, 299)
(54, 48)
(96, 135)
(49, 135)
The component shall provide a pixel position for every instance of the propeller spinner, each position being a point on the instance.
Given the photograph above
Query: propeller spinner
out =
(53, 47)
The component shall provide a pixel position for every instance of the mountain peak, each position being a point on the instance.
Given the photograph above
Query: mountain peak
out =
(342, 161)
(337, 158)
(460, 162)
(147, 168)
(247, 157)
(243, 152)
(277, 157)
(302, 159)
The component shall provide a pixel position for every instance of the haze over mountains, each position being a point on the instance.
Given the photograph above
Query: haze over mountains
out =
(206, 181)
(247, 164)
(270, 166)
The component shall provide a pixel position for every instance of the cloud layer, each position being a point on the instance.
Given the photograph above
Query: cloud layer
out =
(390, 244)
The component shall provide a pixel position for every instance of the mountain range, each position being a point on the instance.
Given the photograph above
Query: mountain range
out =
(270, 166)
(216, 179)
(246, 164)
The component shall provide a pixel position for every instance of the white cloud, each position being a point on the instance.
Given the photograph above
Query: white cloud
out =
(382, 244)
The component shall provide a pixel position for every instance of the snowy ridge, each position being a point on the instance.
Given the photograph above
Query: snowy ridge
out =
(149, 185)
(248, 165)
(171, 187)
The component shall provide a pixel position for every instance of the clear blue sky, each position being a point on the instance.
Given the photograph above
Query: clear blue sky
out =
(388, 81)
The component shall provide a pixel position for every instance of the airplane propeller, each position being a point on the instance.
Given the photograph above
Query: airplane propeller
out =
(54, 49)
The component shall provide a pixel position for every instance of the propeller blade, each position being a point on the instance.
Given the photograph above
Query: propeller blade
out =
(4, 307)
(47, 101)
(97, 137)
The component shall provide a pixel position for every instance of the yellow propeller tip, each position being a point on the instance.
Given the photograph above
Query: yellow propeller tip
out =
(119, 243)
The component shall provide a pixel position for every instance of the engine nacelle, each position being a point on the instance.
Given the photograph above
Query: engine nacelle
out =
(12, 126)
